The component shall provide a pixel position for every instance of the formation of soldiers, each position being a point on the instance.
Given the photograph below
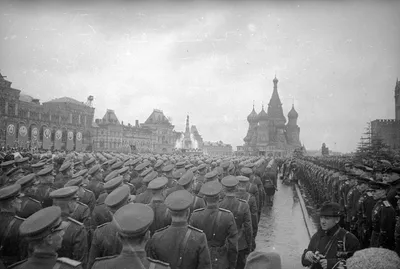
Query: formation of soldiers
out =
(368, 194)
(105, 210)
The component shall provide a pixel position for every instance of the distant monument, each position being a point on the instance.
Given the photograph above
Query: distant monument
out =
(324, 150)
(190, 139)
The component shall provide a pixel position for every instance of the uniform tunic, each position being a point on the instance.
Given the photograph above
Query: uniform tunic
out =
(104, 243)
(81, 213)
(135, 260)
(47, 261)
(11, 251)
(100, 215)
(165, 245)
(28, 207)
(88, 198)
(144, 197)
(41, 192)
(96, 187)
(161, 216)
(251, 201)
(383, 225)
(222, 236)
(320, 240)
(74, 244)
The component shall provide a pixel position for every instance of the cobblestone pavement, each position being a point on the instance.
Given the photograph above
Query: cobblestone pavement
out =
(282, 228)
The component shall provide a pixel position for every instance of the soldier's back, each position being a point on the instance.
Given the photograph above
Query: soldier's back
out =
(37, 263)
(42, 193)
(74, 245)
(81, 213)
(29, 206)
(88, 198)
(144, 197)
(161, 216)
(100, 215)
(10, 239)
(139, 260)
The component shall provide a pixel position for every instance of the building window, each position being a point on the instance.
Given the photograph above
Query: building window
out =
(11, 109)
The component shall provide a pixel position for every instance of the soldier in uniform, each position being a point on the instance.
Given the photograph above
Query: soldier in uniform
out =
(180, 245)
(177, 174)
(162, 217)
(241, 211)
(132, 222)
(13, 175)
(383, 218)
(219, 226)
(397, 231)
(352, 197)
(330, 243)
(29, 205)
(136, 179)
(112, 181)
(65, 174)
(96, 181)
(104, 242)
(90, 163)
(252, 188)
(36, 167)
(167, 171)
(145, 196)
(5, 167)
(42, 191)
(360, 220)
(11, 249)
(124, 172)
(23, 163)
(251, 201)
(45, 230)
(75, 243)
(84, 195)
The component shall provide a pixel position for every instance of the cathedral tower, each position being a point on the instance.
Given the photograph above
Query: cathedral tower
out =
(275, 111)
(292, 129)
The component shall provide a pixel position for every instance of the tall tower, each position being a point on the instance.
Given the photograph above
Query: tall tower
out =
(275, 111)
(292, 129)
(397, 99)
(187, 142)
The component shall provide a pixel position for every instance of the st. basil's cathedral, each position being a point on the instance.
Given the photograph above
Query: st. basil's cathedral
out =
(268, 132)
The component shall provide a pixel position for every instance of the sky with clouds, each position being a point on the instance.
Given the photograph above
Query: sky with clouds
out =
(337, 61)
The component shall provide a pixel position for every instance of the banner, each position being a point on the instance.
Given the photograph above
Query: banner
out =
(23, 136)
(58, 140)
(46, 138)
(78, 141)
(10, 135)
(70, 140)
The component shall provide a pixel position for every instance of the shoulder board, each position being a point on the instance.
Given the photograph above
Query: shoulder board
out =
(386, 203)
(102, 225)
(369, 194)
(157, 261)
(105, 258)
(17, 263)
(198, 209)
(162, 229)
(194, 228)
(19, 218)
(75, 221)
(241, 200)
(130, 184)
(34, 200)
(87, 190)
(224, 210)
(69, 261)
(82, 204)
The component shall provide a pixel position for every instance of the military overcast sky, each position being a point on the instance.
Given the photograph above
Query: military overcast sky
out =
(337, 61)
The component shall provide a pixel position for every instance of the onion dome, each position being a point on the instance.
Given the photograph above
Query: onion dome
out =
(263, 116)
(293, 113)
(275, 80)
(252, 118)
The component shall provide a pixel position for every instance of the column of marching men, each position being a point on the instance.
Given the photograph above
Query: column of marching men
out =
(102, 210)
(369, 196)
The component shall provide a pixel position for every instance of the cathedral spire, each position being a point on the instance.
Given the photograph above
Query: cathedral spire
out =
(187, 124)
(275, 111)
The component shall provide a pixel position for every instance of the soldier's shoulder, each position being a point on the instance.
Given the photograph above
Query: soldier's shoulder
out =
(67, 261)
(34, 200)
(242, 200)
(198, 210)
(74, 221)
(386, 203)
(19, 218)
(195, 229)
(101, 226)
(99, 259)
(82, 204)
(88, 191)
(224, 210)
(164, 264)
(17, 264)
(161, 230)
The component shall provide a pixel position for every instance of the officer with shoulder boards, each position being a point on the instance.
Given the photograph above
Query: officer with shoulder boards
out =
(132, 222)
(44, 231)
(219, 226)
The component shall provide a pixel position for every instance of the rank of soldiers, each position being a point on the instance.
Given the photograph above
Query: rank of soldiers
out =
(102, 210)
(368, 195)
